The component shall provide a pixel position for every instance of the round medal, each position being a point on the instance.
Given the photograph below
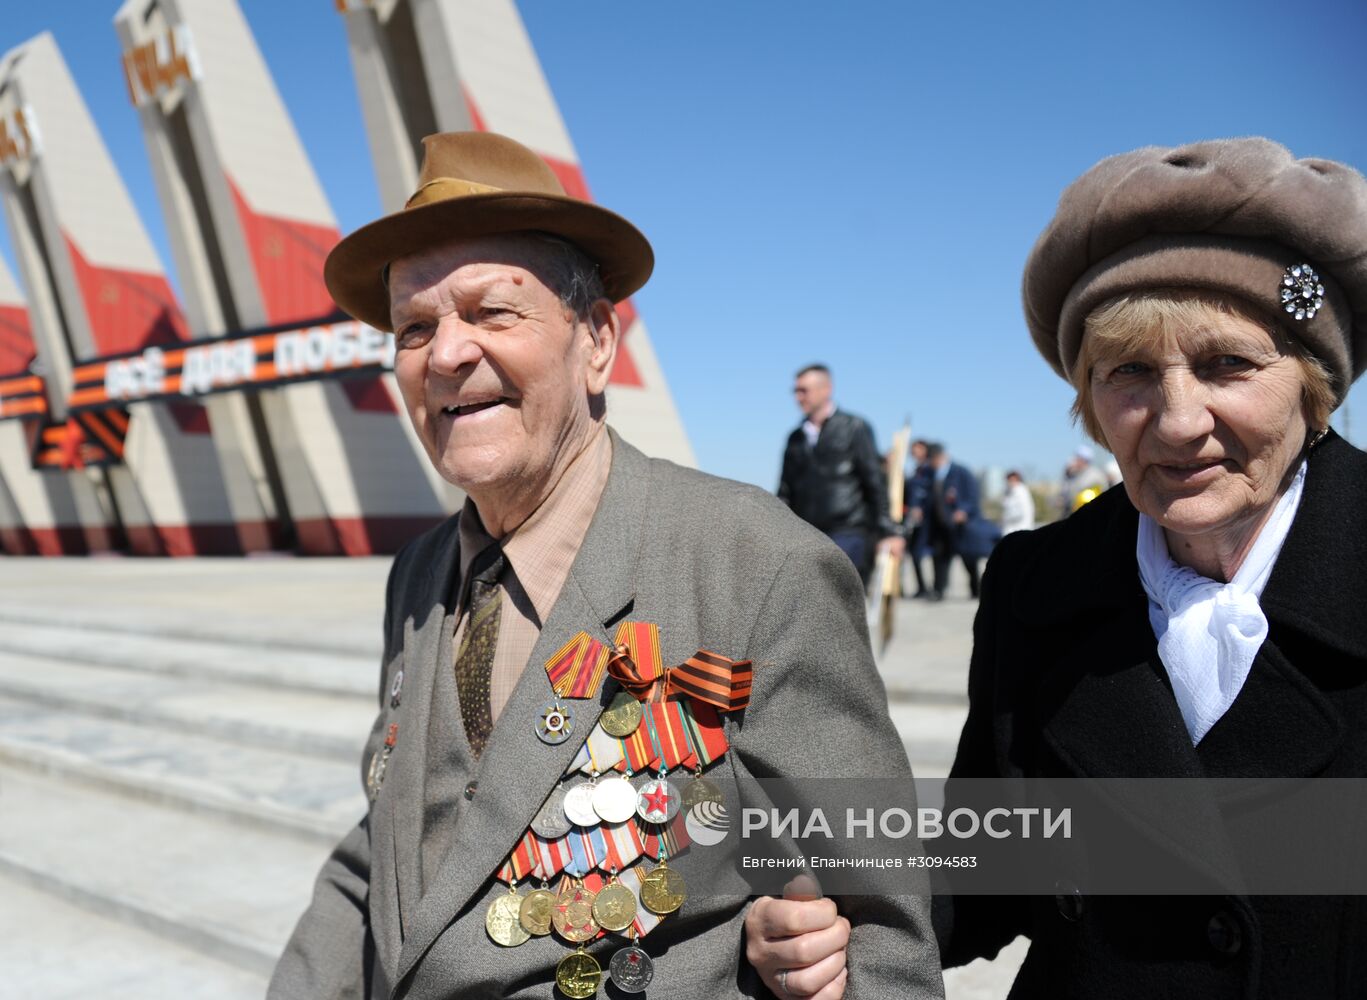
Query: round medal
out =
(572, 914)
(657, 802)
(707, 823)
(395, 688)
(614, 799)
(501, 921)
(550, 821)
(535, 912)
(631, 970)
(579, 805)
(555, 723)
(614, 907)
(662, 889)
(578, 975)
(699, 790)
(622, 716)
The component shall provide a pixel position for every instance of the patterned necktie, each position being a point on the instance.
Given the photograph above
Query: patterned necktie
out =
(475, 660)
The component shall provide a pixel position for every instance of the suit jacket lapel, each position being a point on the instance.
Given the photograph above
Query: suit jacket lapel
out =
(1105, 708)
(517, 771)
(427, 647)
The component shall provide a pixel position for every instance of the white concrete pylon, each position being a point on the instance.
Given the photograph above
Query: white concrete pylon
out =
(425, 66)
(38, 511)
(96, 288)
(250, 229)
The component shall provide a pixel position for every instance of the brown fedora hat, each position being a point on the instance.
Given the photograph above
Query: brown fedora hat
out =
(481, 184)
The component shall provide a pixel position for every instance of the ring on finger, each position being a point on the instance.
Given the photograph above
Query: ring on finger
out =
(783, 982)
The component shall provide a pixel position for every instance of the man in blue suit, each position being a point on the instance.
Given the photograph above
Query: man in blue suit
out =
(948, 509)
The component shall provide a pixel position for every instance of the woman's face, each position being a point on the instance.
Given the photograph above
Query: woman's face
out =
(1205, 421)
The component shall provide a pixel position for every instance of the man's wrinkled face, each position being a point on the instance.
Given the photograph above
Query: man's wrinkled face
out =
(494, 369)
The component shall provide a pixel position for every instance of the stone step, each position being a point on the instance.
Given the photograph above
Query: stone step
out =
(274, 790)
(331, 726)
(227, 893)
(290, 669)
(55, 950)
(329, 605)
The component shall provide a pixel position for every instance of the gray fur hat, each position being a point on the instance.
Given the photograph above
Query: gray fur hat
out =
(1242, 216)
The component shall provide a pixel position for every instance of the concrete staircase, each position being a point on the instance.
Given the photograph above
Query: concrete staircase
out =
(180, 748)
(169, 786)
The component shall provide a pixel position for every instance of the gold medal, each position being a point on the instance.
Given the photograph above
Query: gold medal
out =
(662, 889)
(578, 975)
(622, 716)
(700, 790)
(535, 912)
(501, 920)
(572, 914)
(614, 907)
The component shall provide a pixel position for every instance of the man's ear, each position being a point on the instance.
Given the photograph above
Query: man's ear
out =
(606, 329)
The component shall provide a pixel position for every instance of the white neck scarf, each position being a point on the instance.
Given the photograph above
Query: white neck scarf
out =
(1209, 632)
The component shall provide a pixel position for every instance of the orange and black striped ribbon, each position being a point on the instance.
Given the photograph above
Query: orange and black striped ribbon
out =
(714, 679)
(709, 677)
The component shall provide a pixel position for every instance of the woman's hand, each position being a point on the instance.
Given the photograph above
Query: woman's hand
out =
(798, 945)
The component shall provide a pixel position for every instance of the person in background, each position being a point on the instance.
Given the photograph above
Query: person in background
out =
(917, 489)
(1079, 476)
(833, 476)
(948, 508)
(1018, 506)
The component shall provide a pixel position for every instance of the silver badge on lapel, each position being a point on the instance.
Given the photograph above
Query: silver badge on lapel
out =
(555, 723)
(395, 689)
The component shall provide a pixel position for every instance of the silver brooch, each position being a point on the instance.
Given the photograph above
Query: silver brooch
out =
(1302, 293)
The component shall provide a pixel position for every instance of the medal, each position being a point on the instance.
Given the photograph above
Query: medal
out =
(614, 799)
(535, 912)
(501, 920)
(707, 823)
(572, 914)
(657, 801)
(579, 805)
(578, 974)
(614, 907)
(555, 723)
(622, 716)
(380, 761)
(662, 889)
(631, 969)
(550, 821)
(700, 790)
(395, 688)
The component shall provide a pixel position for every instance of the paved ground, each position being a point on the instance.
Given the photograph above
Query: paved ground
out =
(205, 718)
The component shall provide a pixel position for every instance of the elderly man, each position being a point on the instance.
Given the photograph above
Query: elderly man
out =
(545, 613)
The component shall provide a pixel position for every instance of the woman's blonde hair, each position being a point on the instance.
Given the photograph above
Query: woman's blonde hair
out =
(1126, 323)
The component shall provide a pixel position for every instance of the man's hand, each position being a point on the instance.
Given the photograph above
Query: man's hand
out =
(894, 544)
(797, 944)
(917, 516)
(961, 517)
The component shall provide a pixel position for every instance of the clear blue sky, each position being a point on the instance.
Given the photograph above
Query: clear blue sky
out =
(854, 183)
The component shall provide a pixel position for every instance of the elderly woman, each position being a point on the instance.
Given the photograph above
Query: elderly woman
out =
(1207, 618)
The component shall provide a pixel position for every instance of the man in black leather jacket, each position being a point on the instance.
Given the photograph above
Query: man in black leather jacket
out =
(833, 474)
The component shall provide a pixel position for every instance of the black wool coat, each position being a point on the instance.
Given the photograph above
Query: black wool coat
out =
(1065, 681)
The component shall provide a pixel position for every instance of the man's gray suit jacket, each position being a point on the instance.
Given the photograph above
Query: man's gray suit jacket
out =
(717, 565)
